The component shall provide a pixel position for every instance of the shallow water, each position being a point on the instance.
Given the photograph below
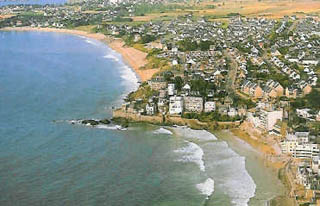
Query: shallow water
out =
(265, 178)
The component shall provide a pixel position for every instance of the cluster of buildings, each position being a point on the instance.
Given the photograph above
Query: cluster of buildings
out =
(75, 13)
(250, 69)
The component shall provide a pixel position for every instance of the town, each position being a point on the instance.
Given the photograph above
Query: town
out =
(259, 75)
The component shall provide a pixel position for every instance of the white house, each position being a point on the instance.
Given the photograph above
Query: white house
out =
(186, 87)
(175, 105)
(150, 109)
(209, 106)
(232, 112)
(304, 113)
(193, 104)
(171, 89)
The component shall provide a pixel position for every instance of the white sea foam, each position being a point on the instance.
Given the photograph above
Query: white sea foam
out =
(235, 179)
(163, 131)
(201, 135)
(113, 127)
(207, 187)
(92, 42)
(130, 79)
(192, 153)
(111, 56)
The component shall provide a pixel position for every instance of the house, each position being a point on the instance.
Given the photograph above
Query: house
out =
(306, 151)
(302, 175)
(273, 89)
(157, 84)
(171, 89)
(252, 89)
(232, 112)
(209, 106)
(175, 105)
(193, 104)
(315, 165)
(306, 89)
(304, 113)
(269, 92)
(186, 87)
(267, 119)
(298, 146)
(291, 92)
(150, 109)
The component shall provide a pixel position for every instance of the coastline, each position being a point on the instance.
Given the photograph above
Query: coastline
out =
(133, 57)
(272, 161)
(136, 59)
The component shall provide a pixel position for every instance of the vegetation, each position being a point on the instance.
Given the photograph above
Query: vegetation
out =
(189, 45)
(311, 100)
(211, 116)
(142, 9)
(143, 93)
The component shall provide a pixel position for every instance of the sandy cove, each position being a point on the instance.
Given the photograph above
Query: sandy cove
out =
(133, 57)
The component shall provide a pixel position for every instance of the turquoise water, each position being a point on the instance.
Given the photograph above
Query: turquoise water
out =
(47, 79)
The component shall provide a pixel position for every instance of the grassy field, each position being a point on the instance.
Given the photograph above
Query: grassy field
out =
(271, 9)
(88, 28)
(251, 8)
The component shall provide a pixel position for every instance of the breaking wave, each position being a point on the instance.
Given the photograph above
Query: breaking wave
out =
(235, 180)
(206, 188)
(192, 153)
(89, 41)
(130, 79)
(111, 56)
(163, 131)
(201, 135)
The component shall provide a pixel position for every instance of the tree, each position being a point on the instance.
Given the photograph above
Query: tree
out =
(205, 45)
(187, 45)
(178, 81)
(313, 99)
(147, 38)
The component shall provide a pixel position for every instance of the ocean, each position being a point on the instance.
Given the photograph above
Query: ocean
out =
(48, 79)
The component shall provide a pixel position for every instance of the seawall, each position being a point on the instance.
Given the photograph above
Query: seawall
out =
(173, 120)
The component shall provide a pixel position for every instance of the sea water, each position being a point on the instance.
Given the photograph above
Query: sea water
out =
(47, 79)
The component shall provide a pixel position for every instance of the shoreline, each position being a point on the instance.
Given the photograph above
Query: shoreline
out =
(131, 56)
(267, 153)
(136, 59)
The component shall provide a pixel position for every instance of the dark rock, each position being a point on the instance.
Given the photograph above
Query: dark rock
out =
(105, 121)
(91, 122)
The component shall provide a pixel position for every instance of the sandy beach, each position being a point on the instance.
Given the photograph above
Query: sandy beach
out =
(272, 158)
(133, 57)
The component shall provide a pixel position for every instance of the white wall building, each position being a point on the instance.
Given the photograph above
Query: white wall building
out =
(232, 112)
(267, 120)
(299, 147)
(171, 89)
(193, 104)
(176, 105)
(150, 109)
(209, 106)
